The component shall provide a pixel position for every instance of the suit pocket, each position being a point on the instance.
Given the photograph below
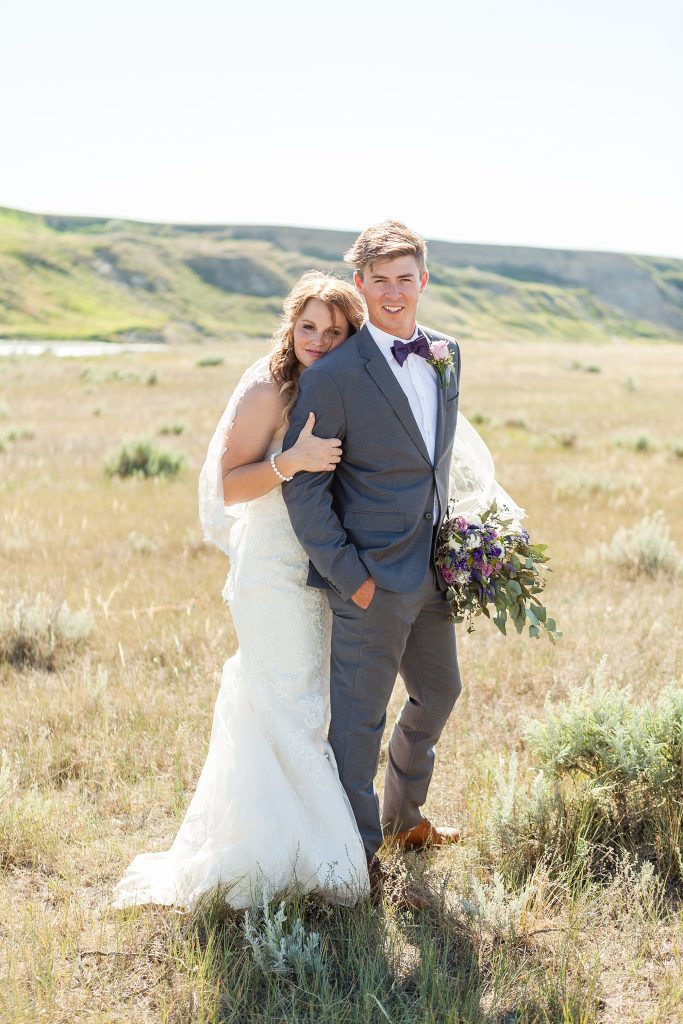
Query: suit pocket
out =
(374, 522)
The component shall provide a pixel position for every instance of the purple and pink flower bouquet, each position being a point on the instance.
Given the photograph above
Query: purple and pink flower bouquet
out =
(490, 566)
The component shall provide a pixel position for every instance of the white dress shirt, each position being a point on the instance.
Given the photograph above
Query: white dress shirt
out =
(419, 383)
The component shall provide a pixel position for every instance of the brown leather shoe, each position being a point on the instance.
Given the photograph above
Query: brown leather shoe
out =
(378, 878)
(384, 884)
(424, 834)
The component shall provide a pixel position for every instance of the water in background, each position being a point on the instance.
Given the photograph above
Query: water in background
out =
(75, 348)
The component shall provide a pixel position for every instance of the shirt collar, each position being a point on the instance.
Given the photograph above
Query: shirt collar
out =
(384, 341)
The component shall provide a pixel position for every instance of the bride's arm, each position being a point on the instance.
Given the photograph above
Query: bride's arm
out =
(246, 473)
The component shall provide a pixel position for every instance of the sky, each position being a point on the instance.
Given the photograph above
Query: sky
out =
(528, 123)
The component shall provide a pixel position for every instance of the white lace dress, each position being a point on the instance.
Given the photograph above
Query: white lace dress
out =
(269, 810)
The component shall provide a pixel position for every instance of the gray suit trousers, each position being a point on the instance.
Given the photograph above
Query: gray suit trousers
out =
(408, 633)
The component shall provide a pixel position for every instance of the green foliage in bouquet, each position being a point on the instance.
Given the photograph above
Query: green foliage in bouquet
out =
(493, 569)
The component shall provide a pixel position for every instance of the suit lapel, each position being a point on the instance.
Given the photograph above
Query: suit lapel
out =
(440, 408)
(380, 372)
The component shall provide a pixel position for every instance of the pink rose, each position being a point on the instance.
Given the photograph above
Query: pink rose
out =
(440, 349)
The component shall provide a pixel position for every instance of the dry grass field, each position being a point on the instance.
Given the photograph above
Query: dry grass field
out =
(101, 748)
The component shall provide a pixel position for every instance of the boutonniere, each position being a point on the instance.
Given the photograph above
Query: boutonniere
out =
(441, 359)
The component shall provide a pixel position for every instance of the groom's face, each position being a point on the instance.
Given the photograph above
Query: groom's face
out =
(392, 289)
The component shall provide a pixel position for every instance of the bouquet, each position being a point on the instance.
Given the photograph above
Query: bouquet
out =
(489, 565)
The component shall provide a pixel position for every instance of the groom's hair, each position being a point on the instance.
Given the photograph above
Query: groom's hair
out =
(386, 241)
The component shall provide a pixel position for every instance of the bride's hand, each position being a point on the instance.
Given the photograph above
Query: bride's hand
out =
(314, 454)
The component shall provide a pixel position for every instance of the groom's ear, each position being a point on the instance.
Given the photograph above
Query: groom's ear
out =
(358, 281)
(423, 280)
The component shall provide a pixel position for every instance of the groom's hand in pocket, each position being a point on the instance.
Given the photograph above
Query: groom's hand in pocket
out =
(365, 593)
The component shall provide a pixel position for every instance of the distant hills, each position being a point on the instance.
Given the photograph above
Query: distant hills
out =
(86, 277)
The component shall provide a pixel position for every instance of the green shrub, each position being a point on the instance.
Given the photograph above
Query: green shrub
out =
(40, 634)
(575, 484)
(564, 436)
(280, 943)
(525, 822)
(646, 548)
(211, 361)
(637, 442)
(19, 434)
(142, 458)
(28, 837)
(171, 428)
(608, 780)
(98, 376)
(492, 908)
(142, 545)
(585, 368)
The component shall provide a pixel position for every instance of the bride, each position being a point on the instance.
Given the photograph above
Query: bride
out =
(269, 811)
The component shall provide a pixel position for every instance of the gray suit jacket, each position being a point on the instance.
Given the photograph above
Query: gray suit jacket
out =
(373, 516)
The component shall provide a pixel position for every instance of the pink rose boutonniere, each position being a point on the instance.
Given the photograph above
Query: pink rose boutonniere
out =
(442, 361)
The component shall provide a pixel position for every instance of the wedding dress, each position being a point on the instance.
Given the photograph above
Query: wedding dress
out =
(269, 811)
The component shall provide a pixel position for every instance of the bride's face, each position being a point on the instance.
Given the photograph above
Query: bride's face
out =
(318, 330)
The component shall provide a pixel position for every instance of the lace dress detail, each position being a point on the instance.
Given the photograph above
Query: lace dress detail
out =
(269, 810)
(472, 484)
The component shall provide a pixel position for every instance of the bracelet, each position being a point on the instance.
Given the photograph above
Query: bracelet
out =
(285, 479)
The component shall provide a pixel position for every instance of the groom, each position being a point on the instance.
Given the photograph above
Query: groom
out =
(369, 530)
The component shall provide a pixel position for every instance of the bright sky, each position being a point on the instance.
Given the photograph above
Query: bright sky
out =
(526, 122)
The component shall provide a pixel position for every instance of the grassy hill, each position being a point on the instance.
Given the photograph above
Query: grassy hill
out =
(79, 277)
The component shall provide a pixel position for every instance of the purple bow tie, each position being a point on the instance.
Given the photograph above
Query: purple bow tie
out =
(418, 346)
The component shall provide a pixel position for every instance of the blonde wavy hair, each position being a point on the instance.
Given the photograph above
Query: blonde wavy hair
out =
(337, 295)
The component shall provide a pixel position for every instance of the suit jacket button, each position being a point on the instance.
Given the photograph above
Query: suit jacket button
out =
(428, 515)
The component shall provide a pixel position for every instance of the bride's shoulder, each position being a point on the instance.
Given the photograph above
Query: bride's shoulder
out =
(262, 395)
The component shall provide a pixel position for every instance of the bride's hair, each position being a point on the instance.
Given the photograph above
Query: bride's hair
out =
(336, 294)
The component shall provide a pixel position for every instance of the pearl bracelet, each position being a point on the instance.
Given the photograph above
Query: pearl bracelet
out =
(277, 472)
